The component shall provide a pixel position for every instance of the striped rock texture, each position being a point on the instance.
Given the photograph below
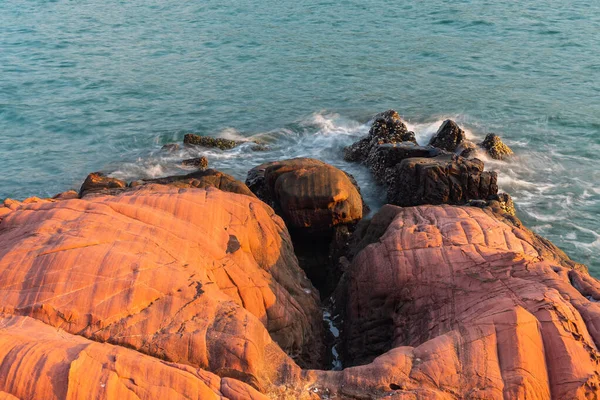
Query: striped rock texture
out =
(198, 277)
(465, 306)
(163, 292)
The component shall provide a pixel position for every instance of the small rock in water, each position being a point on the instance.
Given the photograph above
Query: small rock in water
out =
(260, 147)
(495, 147)
(466, 149)
(448, 137)
(387, 128)
(98, 182)
(207, 141)
(170, 147)
(200, 162)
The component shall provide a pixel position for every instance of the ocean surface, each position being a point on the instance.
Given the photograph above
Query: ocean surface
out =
(102, 85)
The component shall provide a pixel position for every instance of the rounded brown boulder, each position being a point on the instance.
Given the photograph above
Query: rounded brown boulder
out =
(307, 193)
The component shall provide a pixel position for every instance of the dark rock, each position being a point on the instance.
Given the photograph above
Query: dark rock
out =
(467, 149)
(170, 147)
(68, 195)
(448, 136)
(320, 205)
(440, 180)
(99, 184)
(307, 193)
(207, 141)
(386, 128)
(384, 156)
(260, 147)
(202, 179)
(495, 147)
(200, 162)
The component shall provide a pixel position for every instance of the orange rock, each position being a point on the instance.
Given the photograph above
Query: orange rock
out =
(41, 362)
(465, 306)
(163, 292)
(186, 275)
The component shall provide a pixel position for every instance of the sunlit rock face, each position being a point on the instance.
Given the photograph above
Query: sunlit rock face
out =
(166, 292)
(465, 304)
(191, 276)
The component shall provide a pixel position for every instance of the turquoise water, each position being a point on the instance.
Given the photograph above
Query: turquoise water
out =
(91, 85)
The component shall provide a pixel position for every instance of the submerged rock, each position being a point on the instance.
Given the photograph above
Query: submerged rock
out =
(170, 147)
(440, 180)
(448, 137)
(260, 147)
(495, 147)
(97, 183)
(207, 141)
(386, 128)
(200, 162)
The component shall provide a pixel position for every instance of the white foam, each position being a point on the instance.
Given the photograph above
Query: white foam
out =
(424, 131)
(334, 124)
(231, 134)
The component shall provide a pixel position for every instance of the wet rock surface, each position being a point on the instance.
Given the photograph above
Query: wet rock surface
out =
(200, 162)
(448, 137)
(440, 180)
(208, 141)
(433, 174)
(495, 147)
(387, 128)
(382, 158)
(97, 183)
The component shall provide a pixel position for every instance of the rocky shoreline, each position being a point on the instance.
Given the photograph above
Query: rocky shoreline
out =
(203, 286)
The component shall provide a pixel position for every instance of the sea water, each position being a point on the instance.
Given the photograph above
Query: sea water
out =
(102, 85)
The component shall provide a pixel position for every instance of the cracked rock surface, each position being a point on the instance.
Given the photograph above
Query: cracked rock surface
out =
(464, 305)
(202, 278)
(166, 292)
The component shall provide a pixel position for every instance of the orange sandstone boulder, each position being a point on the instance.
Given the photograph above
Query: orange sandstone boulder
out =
(163, 292)
(198, 277)
(452, 303)
(38, 361)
